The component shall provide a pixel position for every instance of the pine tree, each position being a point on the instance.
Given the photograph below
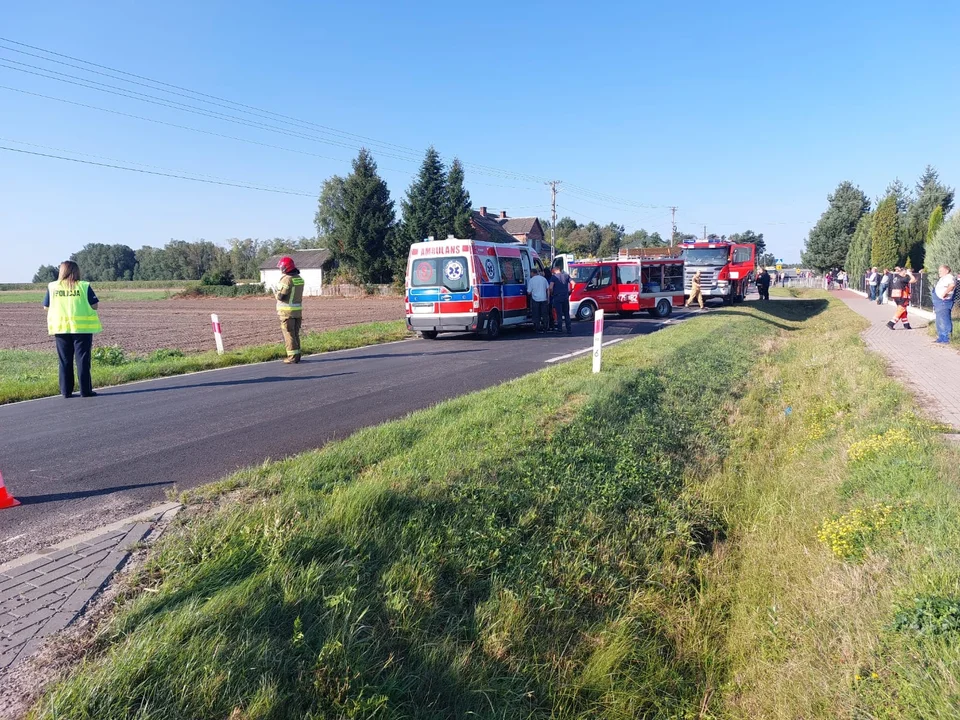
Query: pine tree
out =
(424, 208)
(931, 193)
(829, 240)
(365, 222)
(458, 209)
(883, 234)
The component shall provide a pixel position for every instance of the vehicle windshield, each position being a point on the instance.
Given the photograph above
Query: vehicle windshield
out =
(450, 272)
(705, 256)
(582, 273)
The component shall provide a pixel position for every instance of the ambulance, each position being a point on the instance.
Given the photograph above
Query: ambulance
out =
(468, 286)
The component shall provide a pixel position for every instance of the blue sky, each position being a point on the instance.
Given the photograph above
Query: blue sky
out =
(743, 116)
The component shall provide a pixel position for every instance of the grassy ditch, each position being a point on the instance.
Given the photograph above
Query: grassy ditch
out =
(29, 374)
(729, 521)
(841, 575)
(526, 551)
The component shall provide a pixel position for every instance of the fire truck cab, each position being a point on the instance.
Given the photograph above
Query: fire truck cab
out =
(726, 268)
(626, 287)
(467, 286)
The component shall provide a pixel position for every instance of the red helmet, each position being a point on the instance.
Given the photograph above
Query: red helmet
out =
(286, 264)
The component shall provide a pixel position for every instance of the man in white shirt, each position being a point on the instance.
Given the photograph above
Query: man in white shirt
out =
(537, 287)
(943, 293)
(873, 280)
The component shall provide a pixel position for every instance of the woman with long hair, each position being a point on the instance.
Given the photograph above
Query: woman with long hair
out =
(72, 318)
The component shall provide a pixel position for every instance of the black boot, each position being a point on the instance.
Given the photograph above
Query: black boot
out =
(906, 326)
(890, 324)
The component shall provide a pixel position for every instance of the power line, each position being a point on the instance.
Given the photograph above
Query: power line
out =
(131, 162)
(185, 90)
(261, 112)
(404, 155)
(161, 174)
(320, 133)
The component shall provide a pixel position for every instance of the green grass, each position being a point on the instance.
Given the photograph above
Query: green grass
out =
(641, 543)
(27, 374)
(13, 296)
(526, 551)
(813, 588)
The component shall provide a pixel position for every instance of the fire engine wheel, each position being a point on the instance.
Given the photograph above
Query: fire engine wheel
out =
(429, 334)
(586, 311)
(664, 308)
(492, 331)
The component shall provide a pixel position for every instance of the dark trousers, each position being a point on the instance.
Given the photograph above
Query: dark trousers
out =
(541, 311)
(562, 308)
(70, 347)
(763, 291)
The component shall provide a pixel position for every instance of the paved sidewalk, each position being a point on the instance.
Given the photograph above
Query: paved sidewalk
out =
(931, 370)
(43, 593)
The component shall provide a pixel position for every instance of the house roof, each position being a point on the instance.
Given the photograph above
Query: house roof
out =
(491, 226)
(303, 259)
(520, 226)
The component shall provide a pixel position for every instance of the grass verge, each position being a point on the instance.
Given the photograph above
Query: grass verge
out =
(740, 517)
(29, 374)
(525, 551)
(840, 580)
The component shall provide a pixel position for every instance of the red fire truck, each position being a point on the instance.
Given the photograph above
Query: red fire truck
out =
(726, 268)
(626, 286)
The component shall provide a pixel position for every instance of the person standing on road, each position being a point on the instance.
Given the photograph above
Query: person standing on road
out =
(763, 284)
(696, 293)
(289, 294)
(900, 284)
(943, 296)
(538, 289)
(560, 298)
(873, 279)
(72, 319)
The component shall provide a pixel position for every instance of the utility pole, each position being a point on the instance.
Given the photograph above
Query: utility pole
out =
(704, 232)
(553, 227)
(673, 226)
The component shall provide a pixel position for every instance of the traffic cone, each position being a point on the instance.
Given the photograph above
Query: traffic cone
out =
(6, 499)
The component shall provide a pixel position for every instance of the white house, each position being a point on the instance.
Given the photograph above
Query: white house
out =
(310, 264)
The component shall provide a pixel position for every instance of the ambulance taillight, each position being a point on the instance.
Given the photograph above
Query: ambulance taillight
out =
(476, 298)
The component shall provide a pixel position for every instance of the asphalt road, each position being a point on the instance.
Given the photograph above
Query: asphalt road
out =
(80, 463)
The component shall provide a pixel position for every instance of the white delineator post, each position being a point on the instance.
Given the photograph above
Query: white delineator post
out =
(215, 321)
(597, 339)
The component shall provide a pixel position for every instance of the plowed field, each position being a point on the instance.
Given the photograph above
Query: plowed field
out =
(140, 327)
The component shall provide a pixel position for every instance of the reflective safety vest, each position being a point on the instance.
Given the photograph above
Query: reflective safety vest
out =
(69, 310)
(291, 287)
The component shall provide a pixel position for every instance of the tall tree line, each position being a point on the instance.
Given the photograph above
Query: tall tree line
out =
(896, 229)
(177, 260)
(356, 218)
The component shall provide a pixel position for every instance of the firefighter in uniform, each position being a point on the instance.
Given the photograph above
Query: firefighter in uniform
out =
(289, 294)
(900, 292)
(695, 292)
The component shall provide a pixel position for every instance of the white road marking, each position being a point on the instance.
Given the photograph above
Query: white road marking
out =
(581, 352)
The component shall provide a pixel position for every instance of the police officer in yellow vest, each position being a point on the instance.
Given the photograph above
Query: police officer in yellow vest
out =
(72, 318)
(289, 294)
